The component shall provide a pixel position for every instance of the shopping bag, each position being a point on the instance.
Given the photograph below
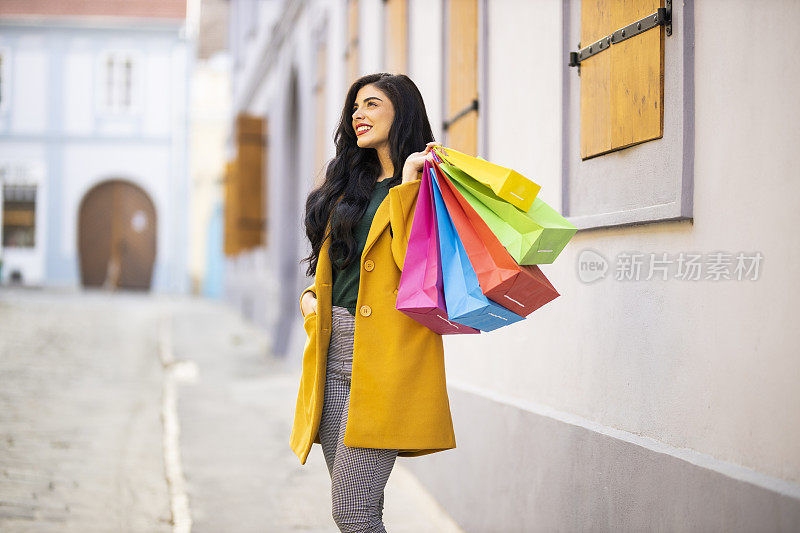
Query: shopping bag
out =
(465, 301)
(507, 184)
(520, 288)
(420, 292)
(533, 237)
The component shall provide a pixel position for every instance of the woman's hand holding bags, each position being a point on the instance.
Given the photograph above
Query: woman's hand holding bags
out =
(471, 250)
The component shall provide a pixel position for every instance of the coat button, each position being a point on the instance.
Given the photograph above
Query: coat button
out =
(366, 310)
(369, 264)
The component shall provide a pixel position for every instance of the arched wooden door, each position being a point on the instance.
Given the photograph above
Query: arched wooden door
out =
(117, 236)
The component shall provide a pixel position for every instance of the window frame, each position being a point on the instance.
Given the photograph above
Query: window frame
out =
(352, 48)
(320, 88)
(3, 209)
(652, 181)
(118, 55)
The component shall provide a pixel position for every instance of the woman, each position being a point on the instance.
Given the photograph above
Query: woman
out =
(373, 382)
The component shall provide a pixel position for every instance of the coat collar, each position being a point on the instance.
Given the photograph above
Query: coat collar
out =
(379, 222)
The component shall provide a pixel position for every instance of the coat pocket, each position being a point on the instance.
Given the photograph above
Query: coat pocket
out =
(309, 367)
(310, 327)
(310, 322)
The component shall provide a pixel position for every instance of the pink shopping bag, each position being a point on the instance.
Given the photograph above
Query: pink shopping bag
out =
(420, 294)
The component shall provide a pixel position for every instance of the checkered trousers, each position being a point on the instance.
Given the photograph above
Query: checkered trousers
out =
(358, 475)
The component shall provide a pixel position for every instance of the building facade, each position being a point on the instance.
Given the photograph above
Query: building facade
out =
(208, 129)
(93, 124)
(658, 392)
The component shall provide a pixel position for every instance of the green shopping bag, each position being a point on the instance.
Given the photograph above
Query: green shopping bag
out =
(532, 238)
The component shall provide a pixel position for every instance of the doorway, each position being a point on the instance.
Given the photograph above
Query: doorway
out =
(117, 237)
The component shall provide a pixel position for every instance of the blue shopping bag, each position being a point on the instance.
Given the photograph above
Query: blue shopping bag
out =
(466, 303)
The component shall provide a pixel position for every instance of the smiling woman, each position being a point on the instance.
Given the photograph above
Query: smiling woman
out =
(373, 115)
(372, 386)
(391, 145)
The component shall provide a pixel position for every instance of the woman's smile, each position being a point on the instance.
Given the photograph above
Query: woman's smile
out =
(362, 128)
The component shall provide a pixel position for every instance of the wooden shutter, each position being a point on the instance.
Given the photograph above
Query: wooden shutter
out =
(622, 88)
(396, 32)
(461, 124)
(250, 160)
(351, 50)
(245, 218)
(231, 210)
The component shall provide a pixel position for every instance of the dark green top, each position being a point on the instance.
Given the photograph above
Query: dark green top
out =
(345, 282)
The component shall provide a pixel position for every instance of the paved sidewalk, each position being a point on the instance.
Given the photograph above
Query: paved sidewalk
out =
(235, 424)
(81, 429)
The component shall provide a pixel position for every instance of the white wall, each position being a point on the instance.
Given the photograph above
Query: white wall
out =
(425, 57)
(30, 86)
(706, 365)
(210, 110)
(703, 365)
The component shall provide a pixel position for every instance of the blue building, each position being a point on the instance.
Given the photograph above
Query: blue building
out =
(93, 150)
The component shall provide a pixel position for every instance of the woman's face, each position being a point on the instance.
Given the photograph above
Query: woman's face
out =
(373, 114)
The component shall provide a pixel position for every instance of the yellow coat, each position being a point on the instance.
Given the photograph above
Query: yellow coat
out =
(398, 393)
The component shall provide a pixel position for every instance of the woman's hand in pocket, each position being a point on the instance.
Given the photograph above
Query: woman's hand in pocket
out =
(309, 303)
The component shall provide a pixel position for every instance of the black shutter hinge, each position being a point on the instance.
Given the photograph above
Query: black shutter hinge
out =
(661, 17)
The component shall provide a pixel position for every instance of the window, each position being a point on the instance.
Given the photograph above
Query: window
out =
(19, 216)
(461, 65)
(396, 32)
(628, 115)
(119, 83)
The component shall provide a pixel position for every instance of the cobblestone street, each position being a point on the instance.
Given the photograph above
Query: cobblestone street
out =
(82, 436)
(79, 414)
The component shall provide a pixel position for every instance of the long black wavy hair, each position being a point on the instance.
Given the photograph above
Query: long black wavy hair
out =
(353, 171)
